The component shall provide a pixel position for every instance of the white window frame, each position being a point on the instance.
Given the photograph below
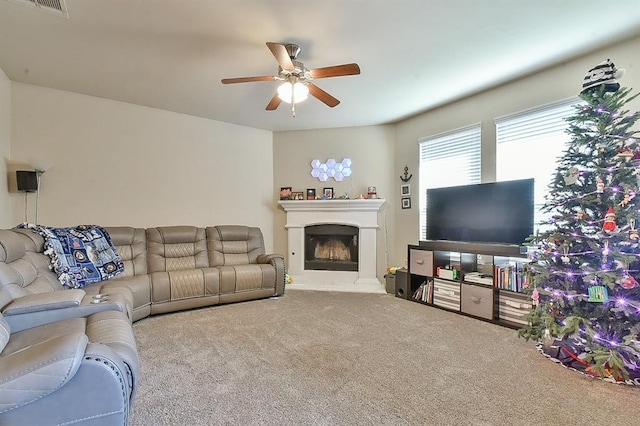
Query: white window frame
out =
(451, 158)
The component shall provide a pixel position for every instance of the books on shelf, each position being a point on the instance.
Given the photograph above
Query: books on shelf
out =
(511, 277)
(424, 293)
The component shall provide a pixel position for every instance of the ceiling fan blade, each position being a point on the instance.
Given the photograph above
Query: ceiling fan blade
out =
(322, 95)
(282, 56)
(273, 103)
(247, 79)
(335, 71)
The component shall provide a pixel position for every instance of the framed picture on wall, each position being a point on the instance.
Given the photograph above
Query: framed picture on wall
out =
(327, 193)
(311, 193)
(406, 203)
(405, 190)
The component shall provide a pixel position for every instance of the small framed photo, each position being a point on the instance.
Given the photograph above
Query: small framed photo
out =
(298, 195)
(327, 193)
(405, 190)
(406, 203)
(285, 193)
(311, 193)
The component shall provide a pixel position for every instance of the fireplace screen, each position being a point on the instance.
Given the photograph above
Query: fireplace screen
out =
(331, 247)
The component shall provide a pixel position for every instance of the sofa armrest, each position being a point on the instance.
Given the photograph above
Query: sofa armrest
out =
(22, 371)
(268, 258)
(60, 299)
(277, 261)
(21, 320)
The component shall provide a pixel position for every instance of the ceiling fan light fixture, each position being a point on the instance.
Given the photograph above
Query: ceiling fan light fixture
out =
(300, 92)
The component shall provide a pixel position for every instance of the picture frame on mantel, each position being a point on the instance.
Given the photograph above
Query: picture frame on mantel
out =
(327, 193)
(285, 193)
(311, 193)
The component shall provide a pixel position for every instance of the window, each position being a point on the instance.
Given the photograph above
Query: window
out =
(529, 144)
(448, 159)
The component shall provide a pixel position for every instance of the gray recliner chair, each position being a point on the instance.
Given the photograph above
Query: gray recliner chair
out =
(74, 371)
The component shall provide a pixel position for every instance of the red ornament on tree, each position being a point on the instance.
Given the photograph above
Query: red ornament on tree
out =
(609, 221)
(628, 282)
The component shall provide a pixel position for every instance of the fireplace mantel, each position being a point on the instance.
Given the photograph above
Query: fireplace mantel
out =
(332, 205)
(362, 214)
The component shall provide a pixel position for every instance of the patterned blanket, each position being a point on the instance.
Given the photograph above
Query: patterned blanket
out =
(80, 256)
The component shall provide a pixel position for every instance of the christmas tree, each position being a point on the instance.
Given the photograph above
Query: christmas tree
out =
(585, 265)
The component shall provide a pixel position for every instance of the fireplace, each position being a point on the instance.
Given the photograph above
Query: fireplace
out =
(331, 247)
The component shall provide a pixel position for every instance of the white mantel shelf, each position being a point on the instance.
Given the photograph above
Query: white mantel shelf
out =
(360, 213)
(332, 205)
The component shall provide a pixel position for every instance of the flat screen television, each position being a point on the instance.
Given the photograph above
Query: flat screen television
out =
(497, 212)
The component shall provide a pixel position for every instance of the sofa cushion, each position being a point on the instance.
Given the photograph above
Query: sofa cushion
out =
(175, 248)
(179, 285)
(11, 246)
(29, 273)
(239, 278)
(34, 371)
(234, 245)
(131, 244)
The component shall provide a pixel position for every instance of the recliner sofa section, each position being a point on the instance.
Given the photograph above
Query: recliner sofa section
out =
(167, 269)
(246, 272)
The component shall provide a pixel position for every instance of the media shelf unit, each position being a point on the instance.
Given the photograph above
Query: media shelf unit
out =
(483, 281)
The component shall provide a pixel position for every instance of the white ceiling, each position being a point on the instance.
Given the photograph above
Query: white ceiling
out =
(414, 54)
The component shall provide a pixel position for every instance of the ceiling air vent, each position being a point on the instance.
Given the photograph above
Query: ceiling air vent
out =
(56, 7)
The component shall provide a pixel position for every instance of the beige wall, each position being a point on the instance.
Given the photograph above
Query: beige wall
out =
(557, 83)
(370, 149)
(6, 217)
(113, 163)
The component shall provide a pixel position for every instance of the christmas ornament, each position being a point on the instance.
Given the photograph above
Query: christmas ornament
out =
(599, 186)
(565, 256)
(605, 252)
(598, 294)
(625, 199)
(535, 297)
(633, 232)
(625, 153)
(604, 73)
(628, 282)
(609, 221)
(571, 176)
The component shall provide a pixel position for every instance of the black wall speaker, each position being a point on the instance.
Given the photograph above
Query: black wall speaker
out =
(402, 284)
(27, 181)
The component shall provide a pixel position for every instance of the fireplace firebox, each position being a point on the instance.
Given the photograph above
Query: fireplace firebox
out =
(331, 247)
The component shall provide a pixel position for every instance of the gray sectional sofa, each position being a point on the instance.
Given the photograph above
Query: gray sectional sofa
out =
(69, 355)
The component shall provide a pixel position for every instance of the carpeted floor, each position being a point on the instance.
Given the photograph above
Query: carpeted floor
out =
(329, 358)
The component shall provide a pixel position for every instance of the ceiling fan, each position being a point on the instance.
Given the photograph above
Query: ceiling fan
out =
(297, 79)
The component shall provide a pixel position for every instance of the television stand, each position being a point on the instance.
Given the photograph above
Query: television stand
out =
(484, 281)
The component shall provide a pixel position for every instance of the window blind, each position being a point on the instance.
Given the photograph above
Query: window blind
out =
(535, 122)
(529, 144)
(447, 159)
